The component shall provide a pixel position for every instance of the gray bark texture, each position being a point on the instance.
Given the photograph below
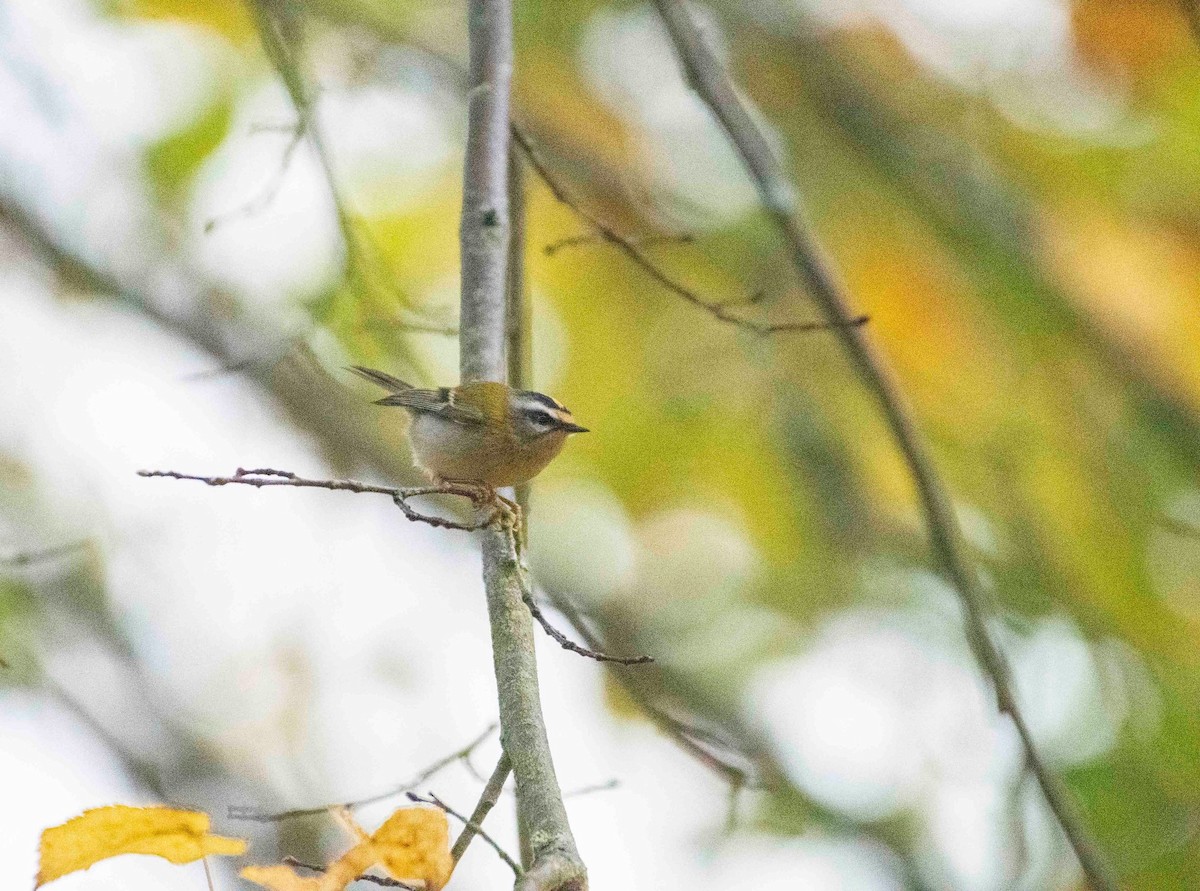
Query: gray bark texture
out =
(553, 862)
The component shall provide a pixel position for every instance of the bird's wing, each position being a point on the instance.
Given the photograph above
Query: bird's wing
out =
(479, 402)
(439, 402)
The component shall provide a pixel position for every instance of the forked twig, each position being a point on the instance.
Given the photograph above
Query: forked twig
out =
(237, 812)
(567, 644)
(264, 477)
(718, 309)
(384, 881)
(270, 188)
(472, 825)
(503, 512)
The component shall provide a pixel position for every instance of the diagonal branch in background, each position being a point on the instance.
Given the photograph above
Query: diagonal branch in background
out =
(260, 202)
(280, 30)
(684, 735)
(779, 198)
(743, 760)
(317, 404)
(717, 309)
(237, 812)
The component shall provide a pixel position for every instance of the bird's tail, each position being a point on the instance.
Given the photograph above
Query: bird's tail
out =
(389, 383)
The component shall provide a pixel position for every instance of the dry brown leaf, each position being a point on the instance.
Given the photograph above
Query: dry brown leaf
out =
(100, 833)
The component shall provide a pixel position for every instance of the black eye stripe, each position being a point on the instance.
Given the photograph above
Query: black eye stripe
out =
(541, 417)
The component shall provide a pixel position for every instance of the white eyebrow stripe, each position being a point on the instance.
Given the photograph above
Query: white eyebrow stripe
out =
(536, 406)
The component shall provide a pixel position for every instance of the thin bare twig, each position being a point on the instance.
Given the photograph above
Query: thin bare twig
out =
(718, 309)
(149, 773)
(264, 477)
(487, 801)
(816, 269)
(270, 189)
(685, 735)
(606, 786)
(384, 881)
(297, 382)
(567, 644)
(239, 812)
(471, 825)
(280, 30)
(590, 239)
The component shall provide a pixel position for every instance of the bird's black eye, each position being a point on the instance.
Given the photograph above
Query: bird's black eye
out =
(541, 418)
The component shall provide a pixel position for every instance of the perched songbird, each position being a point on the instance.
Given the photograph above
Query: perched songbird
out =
(481, 432)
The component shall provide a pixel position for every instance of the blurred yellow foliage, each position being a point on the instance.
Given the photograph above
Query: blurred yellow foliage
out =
(1136, 281)
(230, 18)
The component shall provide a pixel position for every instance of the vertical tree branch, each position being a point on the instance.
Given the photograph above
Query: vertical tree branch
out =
(518, 315)
(518, 346)
(816, 270)
(484, 230)
(484, 233)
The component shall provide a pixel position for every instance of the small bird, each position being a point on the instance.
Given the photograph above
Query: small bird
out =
(482, 432)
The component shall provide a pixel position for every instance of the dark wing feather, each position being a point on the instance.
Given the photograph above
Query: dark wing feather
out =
(439, 402)
(435, 402)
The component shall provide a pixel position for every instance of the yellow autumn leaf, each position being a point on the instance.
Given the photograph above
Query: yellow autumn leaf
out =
(336, 877)
(414, 843)
(282, 878)
(95, 835)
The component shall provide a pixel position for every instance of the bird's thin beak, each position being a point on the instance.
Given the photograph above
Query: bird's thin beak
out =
(573, 428)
